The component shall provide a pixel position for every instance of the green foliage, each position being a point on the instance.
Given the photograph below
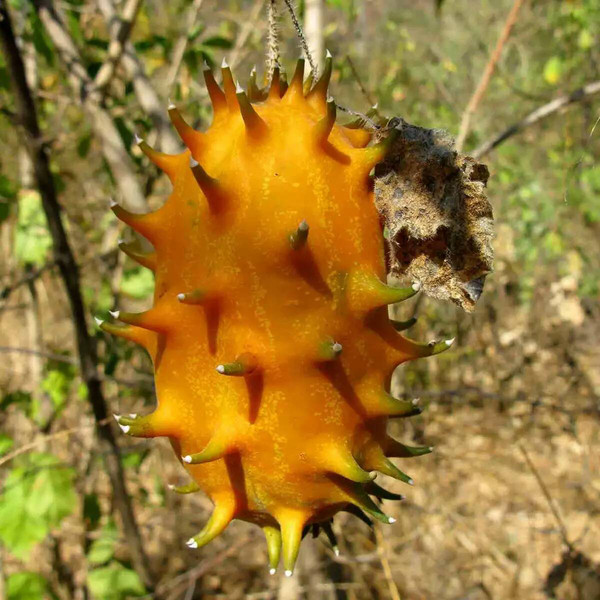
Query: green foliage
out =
(6, 443)
(103, 549)
(57, 383)
(32, 239)
(36, 497)
(138, 283)
(26, 586)
(114, 582)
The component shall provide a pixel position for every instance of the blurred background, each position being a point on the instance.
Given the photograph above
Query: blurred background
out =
(508, 505)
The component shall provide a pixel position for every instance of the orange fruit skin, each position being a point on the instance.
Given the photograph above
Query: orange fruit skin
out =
(290, 438)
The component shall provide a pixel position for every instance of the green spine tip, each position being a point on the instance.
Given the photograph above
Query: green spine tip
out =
(331, 537)
(299, 237)
(255, 126)
(190, 137)
(297, 82)
(376, 490)
(438, 347)
(242, 365)
(209, 186)
(330, 350)
(146, 259)
(137, 426)
(275, 87)
(189, 488)
(220, 518)
(214, 450)
(325, 125)
(273, 537)
(217, 97)
(229, 86)
(403, 325)
(320, 88)
(387, 467)
(195, 297)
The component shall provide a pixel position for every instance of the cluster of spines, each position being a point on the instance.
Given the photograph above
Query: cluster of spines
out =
(363, 293)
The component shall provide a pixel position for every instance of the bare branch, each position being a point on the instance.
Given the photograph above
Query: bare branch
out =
(69, 271)
(250, 24)
(363, 89)
(559, 521)
(537, 115)
(301, 37)
(272, 38)
(114, 152)
(26, 279)
(117, 44)
(487, 75)
(189, 22)
(145, 93)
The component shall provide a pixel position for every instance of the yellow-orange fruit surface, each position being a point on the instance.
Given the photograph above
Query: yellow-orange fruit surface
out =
(269, 333)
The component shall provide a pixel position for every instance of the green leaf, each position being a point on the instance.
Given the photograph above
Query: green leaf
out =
(553, 70)
(36, 497)
(26, 586)
(8, 188)
(83, 145)
(4, 79)
(217, 41)
(91, 510)
(4, 210)
(40, 40)
(103, 549)
(6, 443)
(57, 384)
(32, 239)
(138, 283)
(114, 582)
(20, 398)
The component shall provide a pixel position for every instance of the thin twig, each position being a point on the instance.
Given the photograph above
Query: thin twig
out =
(301, 37)
(82, 86)
(272, 37)
(117, 45)
(181, 582)
(385, 563)
(25, 280)
(487, 75)
(145, 93)
(561, 525)
(250, 25)
(363, 89)
(45, 439)
(537, 115)
(189, 22)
